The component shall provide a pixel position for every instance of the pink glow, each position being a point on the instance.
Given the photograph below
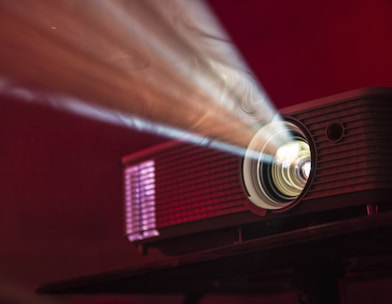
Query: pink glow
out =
(140, 201)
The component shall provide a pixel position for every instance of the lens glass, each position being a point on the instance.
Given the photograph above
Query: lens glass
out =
(277, 168)
(305, 169)
(291, 169)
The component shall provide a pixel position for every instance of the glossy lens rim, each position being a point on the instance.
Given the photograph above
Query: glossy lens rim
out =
(279, 175)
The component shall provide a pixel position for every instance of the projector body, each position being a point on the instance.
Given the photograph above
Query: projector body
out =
(181, 197)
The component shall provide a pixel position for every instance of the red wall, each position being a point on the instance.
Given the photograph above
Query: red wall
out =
(60, 183)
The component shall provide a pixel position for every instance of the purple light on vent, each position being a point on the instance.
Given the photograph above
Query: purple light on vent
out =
(140, 201)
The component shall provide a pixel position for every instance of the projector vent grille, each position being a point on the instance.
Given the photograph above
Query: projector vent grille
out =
(355, 162)
(191, 183)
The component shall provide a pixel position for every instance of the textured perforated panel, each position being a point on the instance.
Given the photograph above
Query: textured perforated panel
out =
(192, 183)
(360, 160)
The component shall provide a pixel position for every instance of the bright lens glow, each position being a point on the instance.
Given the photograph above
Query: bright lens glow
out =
(287, 170)
(305, 169)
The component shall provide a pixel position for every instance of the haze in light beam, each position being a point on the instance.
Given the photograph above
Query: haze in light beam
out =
(167, 63)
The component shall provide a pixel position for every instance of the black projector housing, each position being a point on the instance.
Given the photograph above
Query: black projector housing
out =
(181, 197)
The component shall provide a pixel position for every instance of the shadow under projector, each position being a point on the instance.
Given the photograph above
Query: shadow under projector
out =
(182, 198)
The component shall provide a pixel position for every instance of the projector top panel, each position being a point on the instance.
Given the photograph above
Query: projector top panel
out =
(317, 103)
(338, 98)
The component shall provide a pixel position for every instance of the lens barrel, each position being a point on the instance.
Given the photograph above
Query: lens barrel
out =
(277, 165)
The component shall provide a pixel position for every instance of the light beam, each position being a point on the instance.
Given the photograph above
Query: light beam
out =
(163, 66)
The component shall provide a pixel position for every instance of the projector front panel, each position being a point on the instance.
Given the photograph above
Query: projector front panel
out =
(357, 157)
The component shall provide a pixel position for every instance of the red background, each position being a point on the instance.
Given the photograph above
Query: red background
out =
(60, 179)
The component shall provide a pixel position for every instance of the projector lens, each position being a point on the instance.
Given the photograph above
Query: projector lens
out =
(277, 165)
(288, 175)
(305, 168)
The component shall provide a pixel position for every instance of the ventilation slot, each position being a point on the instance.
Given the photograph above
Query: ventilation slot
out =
(140, 201)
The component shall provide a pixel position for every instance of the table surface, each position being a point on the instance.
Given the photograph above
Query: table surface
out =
(361, 246)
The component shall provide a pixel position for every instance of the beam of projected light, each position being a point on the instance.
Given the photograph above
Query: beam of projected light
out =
(111, 116)
(166, 62)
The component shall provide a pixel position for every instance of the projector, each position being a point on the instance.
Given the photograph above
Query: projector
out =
(337, 165)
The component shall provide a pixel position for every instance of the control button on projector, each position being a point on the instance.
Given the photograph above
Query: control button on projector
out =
(335, 131)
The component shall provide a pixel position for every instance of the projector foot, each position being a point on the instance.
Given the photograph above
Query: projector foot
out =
(321, 284)
(371, 209)
(192, 298)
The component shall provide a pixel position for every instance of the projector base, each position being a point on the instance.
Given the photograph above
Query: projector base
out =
(321, 284)
(313, 261)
